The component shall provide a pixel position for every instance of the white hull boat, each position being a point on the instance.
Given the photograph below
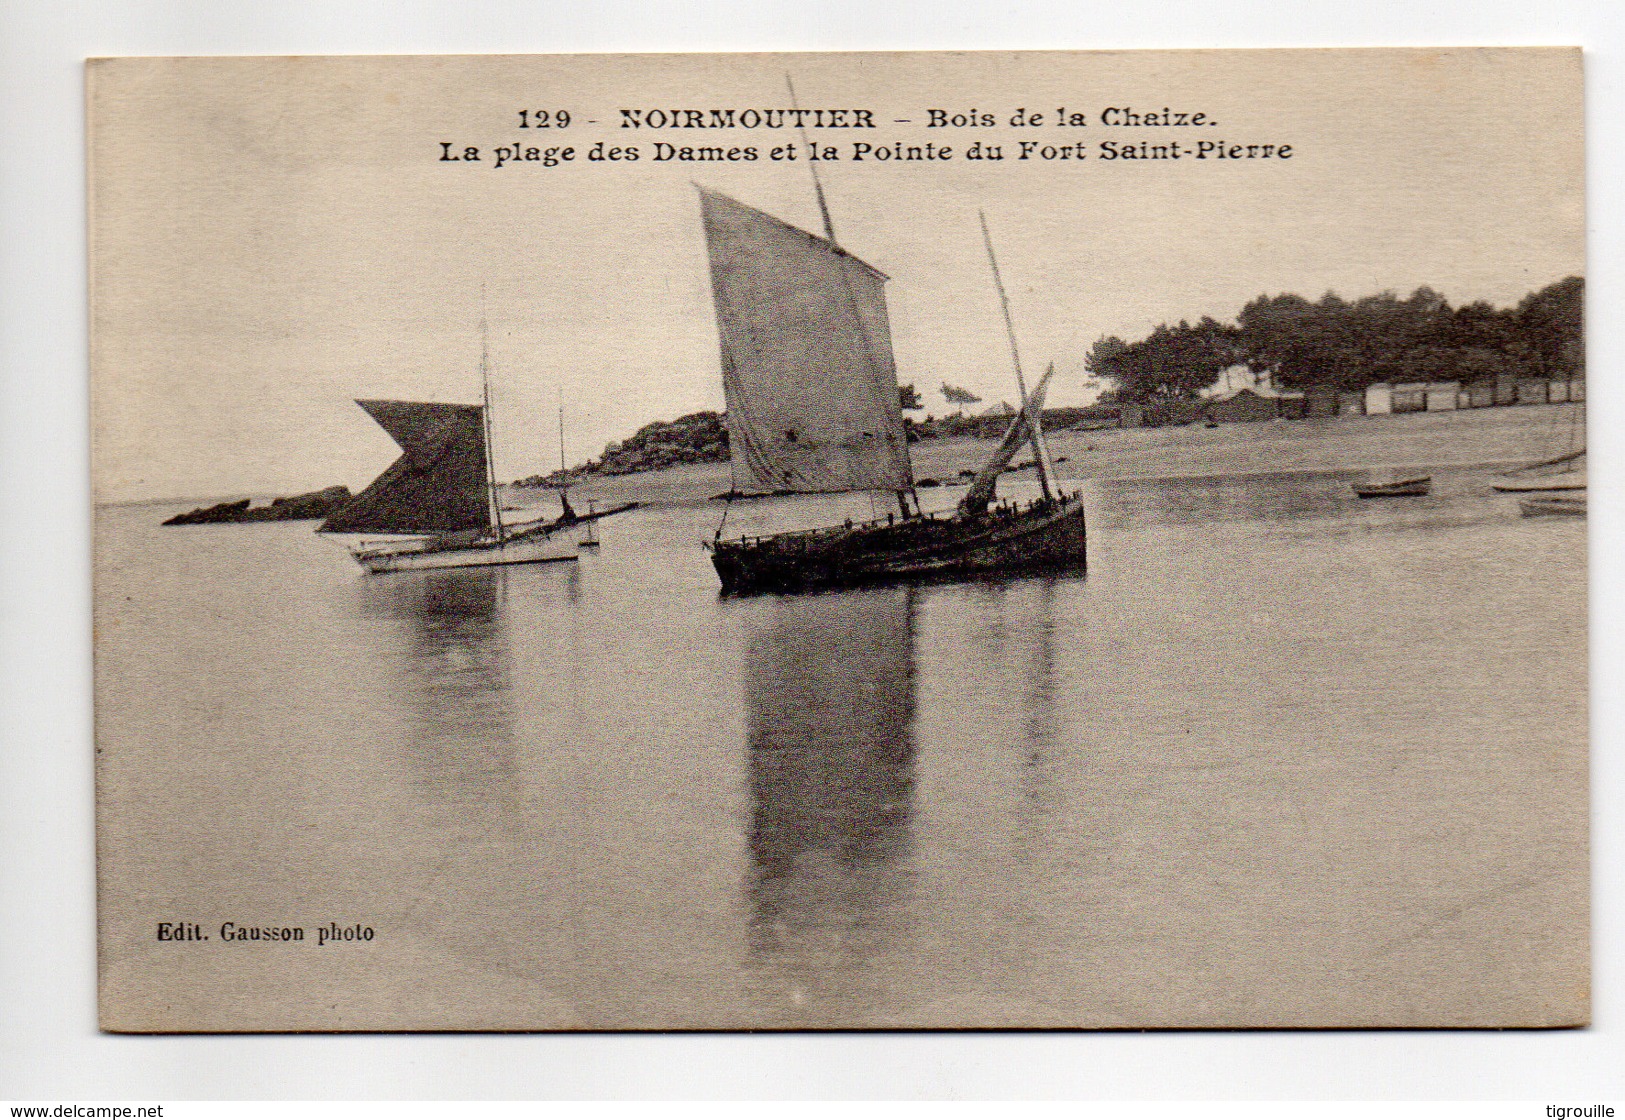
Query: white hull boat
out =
(419, 554)
(1565, 472)
(438, 505)
(1568, 480)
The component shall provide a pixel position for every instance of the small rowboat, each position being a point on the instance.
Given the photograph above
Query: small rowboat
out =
(1413, 487)
(1553, 506)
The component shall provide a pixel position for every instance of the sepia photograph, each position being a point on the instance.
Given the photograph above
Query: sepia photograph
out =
(840, 541)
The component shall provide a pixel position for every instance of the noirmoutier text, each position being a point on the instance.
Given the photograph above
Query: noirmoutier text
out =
(1021, 135)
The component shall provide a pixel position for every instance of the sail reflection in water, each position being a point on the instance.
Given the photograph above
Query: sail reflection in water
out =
(829, 693)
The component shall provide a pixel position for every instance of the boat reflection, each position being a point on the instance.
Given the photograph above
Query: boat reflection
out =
(830, 703)
(454, 676)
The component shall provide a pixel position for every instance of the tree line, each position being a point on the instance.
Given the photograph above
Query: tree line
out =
(1298, 344)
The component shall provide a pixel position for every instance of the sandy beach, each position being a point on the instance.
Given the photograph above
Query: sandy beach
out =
(1479, 437)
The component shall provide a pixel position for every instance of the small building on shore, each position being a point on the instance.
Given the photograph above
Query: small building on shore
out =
(1443, 396)
(1379, 399)
(1410, 396)
(1532, 390)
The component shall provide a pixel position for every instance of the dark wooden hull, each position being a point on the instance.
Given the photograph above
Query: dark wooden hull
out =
(1010, 540)
(1414, 489)
(1553, 507)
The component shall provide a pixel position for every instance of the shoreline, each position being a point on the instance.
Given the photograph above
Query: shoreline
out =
(1486, 438)
(1482, 439)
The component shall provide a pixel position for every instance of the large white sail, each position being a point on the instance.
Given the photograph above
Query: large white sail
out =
(807, 363)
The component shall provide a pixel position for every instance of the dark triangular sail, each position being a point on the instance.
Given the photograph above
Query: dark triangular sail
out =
(807, 361)
(439, 484)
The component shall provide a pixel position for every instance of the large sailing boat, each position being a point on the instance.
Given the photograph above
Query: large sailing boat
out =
(813, 407)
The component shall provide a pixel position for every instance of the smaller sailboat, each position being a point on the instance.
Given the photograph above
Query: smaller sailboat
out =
(589, 536)
(1394, 484)
(438, 501)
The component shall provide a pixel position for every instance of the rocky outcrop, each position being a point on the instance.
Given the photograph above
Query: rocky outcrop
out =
(699, 437)
(299, 507)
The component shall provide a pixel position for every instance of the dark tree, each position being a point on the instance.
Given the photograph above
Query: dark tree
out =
(1332, 342)
(1551, 324)
(1174, 363)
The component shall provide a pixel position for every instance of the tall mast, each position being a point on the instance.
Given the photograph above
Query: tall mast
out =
(485, 391)
(829, 235)
(1040, 450)
(565, 512)
(812, 165)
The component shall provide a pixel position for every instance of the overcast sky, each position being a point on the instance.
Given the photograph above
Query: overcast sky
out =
(274, 237)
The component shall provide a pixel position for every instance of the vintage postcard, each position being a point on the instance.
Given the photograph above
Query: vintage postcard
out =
(1038, 540)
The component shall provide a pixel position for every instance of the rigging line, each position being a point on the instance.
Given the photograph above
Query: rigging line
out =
(564, 478)
(1040, 451)
(726, 506)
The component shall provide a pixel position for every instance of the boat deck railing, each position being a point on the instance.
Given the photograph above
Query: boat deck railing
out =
(1001, 511)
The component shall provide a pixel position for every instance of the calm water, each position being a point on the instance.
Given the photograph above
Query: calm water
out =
(1282, 757)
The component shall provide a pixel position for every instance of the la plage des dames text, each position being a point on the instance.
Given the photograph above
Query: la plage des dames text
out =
(541, 137)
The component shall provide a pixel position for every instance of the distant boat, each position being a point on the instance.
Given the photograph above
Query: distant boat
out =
(1566, 472)
(1553, 506)
(1558, 484)
(813, 407)
(1408, 486)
